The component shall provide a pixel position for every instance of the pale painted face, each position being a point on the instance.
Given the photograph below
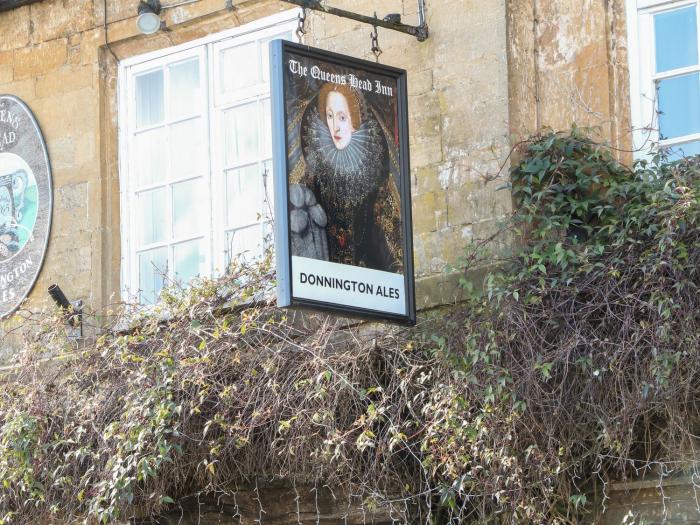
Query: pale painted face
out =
(338, 119)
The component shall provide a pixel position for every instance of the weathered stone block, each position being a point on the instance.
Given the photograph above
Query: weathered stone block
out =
(90, 43)
(66, 116)
(35, 60)
(14, 28)
(53, 19)
(440, 289)
(282, 505)
(73, 196)
(23, 89)
(473, 202)
(425, 116)
(86, 149)
(64, 264)
(672, 501)
(66, 221)
(64, 79)
(61, 154)
(426, 211)
(426, 179)
(420, 82)
(6, 58)
(426, 153)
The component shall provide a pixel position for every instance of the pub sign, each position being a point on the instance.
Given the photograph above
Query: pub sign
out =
(342, 189)
(25, 202)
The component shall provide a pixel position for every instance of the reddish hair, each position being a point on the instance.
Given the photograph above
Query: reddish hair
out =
(350, 95)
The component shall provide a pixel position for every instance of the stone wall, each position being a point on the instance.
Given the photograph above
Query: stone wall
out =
(490, 74)
(278, 504)
(48, 57)
(568, 65)
(651, 502)
(53, 54)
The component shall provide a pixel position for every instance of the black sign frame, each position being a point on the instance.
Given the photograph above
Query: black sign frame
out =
(279, 49)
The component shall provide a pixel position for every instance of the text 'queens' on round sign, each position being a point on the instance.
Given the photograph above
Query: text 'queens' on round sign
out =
(25, 202)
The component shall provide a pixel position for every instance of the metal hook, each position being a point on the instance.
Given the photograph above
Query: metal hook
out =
(301, 30)
(374, 35)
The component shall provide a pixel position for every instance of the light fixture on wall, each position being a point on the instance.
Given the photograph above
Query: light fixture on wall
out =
(72, 310)
(148, 20)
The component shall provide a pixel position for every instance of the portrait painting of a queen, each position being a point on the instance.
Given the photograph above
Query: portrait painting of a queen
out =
(344, 201)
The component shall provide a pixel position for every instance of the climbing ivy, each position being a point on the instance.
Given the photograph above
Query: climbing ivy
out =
(582, 346)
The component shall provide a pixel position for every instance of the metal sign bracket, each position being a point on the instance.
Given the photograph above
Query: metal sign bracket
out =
(391, 21)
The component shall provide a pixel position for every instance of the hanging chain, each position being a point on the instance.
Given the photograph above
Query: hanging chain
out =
(375, 42)
(301, 30)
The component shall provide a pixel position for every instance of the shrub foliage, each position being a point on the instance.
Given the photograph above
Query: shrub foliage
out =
(575, 364)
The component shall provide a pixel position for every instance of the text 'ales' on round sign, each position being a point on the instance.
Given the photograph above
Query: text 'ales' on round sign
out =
(25, 202)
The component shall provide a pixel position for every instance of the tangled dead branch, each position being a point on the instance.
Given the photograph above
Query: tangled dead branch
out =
(575, 364)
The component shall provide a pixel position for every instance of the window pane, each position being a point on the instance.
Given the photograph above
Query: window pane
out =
(153, 267)
(683, 150)
(189, 260)
(189, 208)
(186, 149)
(679, 106)
(265, 54)
(266, 128)
(245, 243)
(149, 157)
(184, 88)
(676, 39)
(239, 67)
(269, 189)
(268, 234)
(243, 197)
(152, 216)
(149, 99)
(241, 129)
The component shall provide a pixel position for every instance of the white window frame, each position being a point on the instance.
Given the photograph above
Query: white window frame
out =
(643, 76)
(204, 48)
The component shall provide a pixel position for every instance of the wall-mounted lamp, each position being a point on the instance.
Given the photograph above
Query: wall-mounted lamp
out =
(73, 312)
(148, 20)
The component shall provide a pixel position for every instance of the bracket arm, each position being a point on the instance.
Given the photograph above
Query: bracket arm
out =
(420, 32)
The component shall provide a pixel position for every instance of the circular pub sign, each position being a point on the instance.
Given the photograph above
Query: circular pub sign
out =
(25, 202)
